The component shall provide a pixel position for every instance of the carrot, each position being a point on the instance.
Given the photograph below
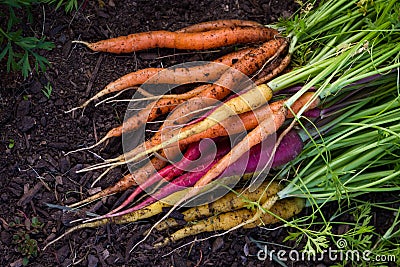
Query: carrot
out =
(165, 174)
(247, 65)
(186, 180)
(183, 40)
(126, 182)
(144, 213)
(179, 75)
(255, 161)
(265, 128)
(247, 101)
(219, 24)
(141, 175)
(254, 137)
(248, 121)
(230, 202)
(234, 125)
(281, 210)
(275, 71)
(147, 212)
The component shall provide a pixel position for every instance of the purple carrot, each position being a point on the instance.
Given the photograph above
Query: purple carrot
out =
(193, 152)
(290, 146)
(167, 173)
(312, 113)
(259, 156)
(186, 180)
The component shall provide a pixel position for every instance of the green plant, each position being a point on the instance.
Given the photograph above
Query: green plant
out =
(69, 4)
(19, 49)
(23, 237)
(47, 90)
(11, 143)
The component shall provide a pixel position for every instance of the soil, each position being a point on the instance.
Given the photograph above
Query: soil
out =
(36, 134)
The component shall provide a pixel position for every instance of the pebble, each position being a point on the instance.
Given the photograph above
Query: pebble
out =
(43, 121)
(217, 244)
(63, 252)
(64, 165)
(23, 108)
(66, 49)
(26, 123)
(36, 88)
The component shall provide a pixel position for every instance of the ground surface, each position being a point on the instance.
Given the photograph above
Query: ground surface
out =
(35, 170)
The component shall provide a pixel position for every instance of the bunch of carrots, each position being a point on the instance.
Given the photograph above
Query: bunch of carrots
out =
(246, 114)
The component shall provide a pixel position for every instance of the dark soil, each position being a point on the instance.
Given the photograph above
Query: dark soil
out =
(35, 171)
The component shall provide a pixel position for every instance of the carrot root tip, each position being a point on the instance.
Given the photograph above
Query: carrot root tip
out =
(81, 42)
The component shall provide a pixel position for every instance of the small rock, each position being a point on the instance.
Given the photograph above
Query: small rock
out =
(62, 38)
(43, 121)
(217, 244)
(26, 123)
(62, 253)
(23, 108)
(36, 88)
(105, 254)
(64, 165)
(59, 180)
(66, 49)
(17, 263)
(111, 3)
(92, 261)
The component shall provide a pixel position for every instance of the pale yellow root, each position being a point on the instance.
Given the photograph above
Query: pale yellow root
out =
(230, 202)
(282, 209)
(144, 213)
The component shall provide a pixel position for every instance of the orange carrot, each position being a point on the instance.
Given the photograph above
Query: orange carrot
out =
(219, 24)
(275, 71)
(247, 65)
(181, 75)
(192, 41)
(233, 125)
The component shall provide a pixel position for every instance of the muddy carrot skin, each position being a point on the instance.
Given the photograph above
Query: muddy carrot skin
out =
(220, 24)
(180, 75)
(184, 40)
(285, 209)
